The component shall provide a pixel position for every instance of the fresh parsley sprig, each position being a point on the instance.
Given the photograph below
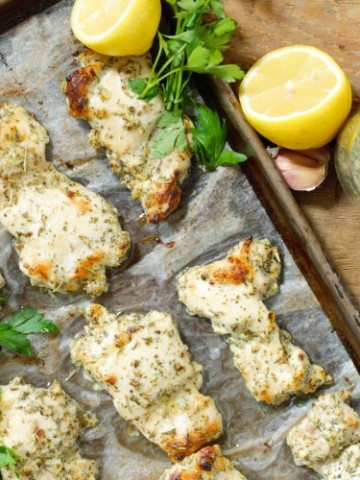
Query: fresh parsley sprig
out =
(210, 134)
(170, 136)
(194, 48)
(202, 32)
(9, 458)
(13, 332)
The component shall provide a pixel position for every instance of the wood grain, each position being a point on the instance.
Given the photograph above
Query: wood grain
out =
(335, 218)
(264, 25)
(331, 25)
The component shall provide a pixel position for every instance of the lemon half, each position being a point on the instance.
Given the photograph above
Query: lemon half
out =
(298, 97)
(116, 27)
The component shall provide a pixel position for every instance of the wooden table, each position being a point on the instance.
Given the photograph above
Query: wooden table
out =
(330, 25)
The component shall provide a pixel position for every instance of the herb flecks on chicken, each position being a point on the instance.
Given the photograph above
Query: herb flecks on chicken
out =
(125, 125)
(66, 235)
(42, 426)
(327, 439)
(142, 363)
(206, 464)
(137, 109)
(230, 292)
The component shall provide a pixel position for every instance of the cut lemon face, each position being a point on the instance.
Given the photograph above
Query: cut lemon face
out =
(116, 27)
(298, 97)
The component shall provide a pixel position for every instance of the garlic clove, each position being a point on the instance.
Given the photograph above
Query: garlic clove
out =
(301, 172)
(322, 154)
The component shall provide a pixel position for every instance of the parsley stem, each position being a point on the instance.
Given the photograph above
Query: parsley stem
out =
(159, 79)
(158, 56)
(170, 61)
(156, 77)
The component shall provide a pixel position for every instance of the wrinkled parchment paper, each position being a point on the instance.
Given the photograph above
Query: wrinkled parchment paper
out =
(218, 210)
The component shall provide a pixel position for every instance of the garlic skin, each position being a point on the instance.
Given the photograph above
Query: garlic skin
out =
(302, 170)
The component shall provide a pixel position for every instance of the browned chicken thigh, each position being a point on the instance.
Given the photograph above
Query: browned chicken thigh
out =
(66, 235)
(99, 92)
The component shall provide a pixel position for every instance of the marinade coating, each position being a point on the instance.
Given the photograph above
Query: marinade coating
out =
(42, 426)
(230, 292)
(327, 439)
(124, 124)
(143, 364)
(66, 235)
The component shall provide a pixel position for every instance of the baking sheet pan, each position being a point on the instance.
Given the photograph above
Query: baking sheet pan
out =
(218, 210)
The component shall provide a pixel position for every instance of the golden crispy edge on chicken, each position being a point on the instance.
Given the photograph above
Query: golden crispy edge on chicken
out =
(206, 464)
(27, 177)
(230, 292)
(165, 196)
(158, 421)
(177, 451)
(77, 86)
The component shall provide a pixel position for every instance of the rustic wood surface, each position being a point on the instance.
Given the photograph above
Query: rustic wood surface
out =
(331, 25)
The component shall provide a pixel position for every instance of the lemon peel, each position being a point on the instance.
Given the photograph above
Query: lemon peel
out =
(116, 27)
(297, 97)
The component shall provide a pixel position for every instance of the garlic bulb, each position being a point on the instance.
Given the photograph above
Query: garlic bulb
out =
(301, 170)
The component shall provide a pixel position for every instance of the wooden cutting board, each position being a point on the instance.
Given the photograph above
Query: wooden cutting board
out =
(333, 26)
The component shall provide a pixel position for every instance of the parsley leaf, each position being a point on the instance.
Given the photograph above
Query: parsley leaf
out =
(215, 35)
(228, 157)
(204, 60)
(209, 136)
(139, 85)
(9, 459)
(171, 135)
(201, 33)
(21, 323)
(195, 46)
(221, 28)
(229, 73)
(198, 59)
(218, 8)
(29, 320)
(187, 5)
(14, 341)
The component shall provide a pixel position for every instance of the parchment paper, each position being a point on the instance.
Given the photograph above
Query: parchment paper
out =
(218, 210)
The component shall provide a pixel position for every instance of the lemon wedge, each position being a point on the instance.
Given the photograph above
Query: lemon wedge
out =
(298, 97)
(116, 27)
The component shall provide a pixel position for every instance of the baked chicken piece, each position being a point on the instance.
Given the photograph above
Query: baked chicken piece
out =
(206, 464)
(327, 439)
(42, 426)
(66, 234)
(230, 292)
(143, 364)
(99, 92)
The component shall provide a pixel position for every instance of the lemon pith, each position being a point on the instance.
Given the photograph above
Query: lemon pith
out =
(116, 27)
(297, 97)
